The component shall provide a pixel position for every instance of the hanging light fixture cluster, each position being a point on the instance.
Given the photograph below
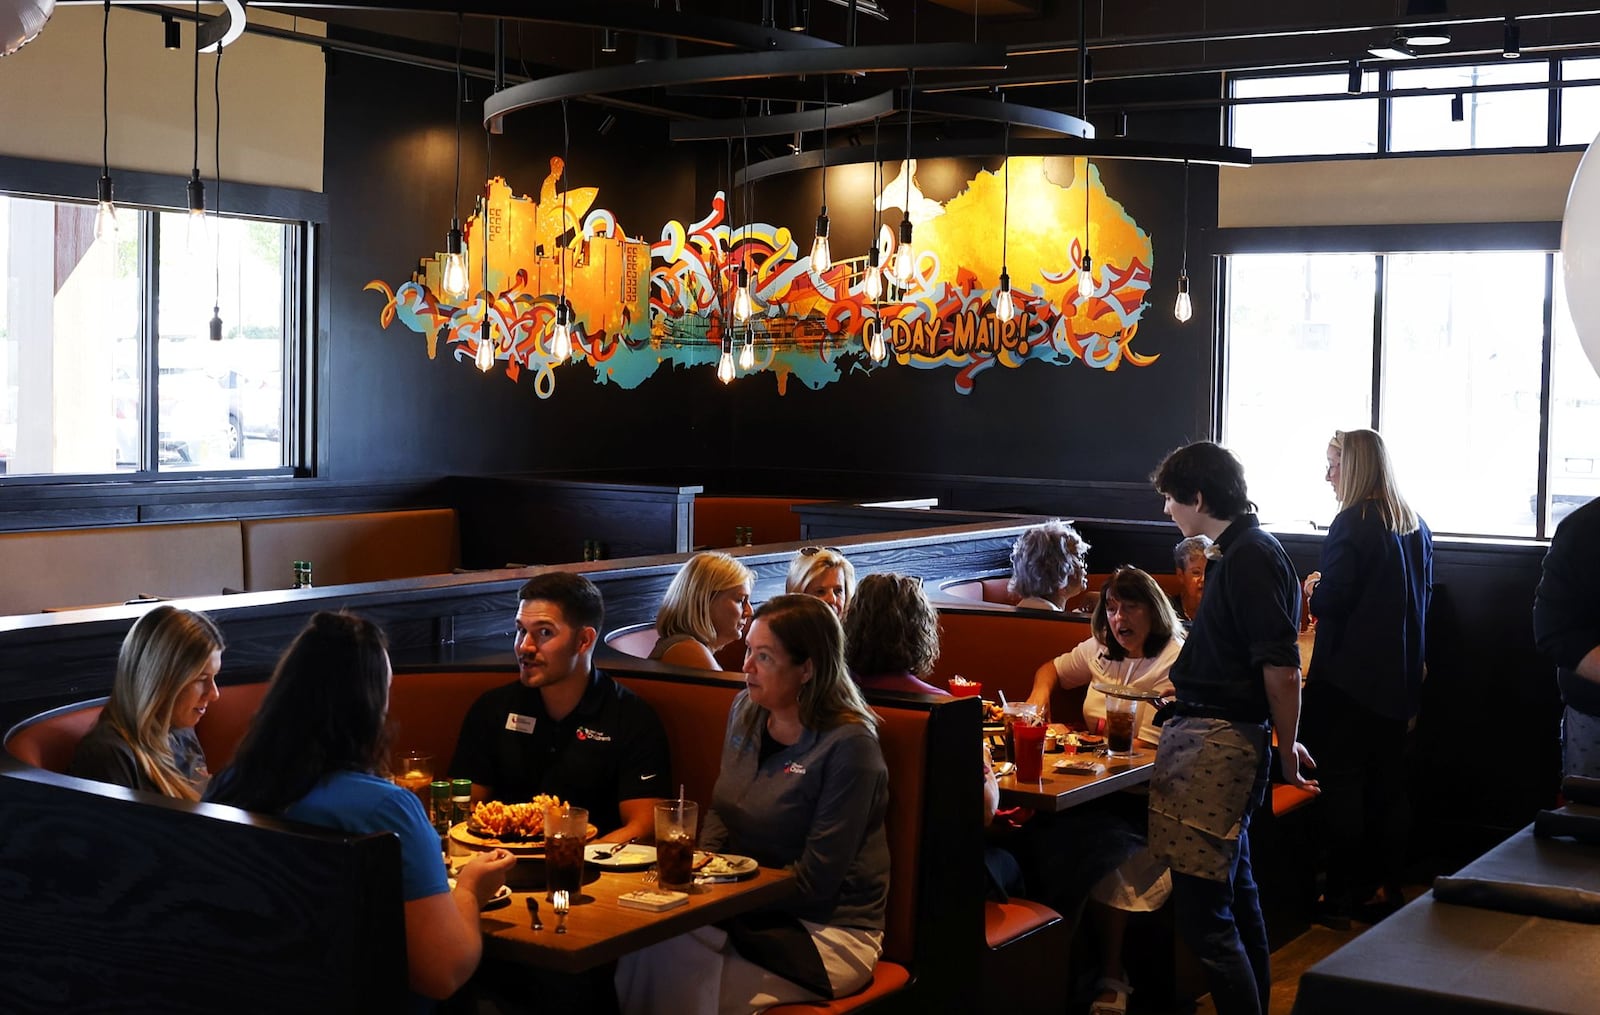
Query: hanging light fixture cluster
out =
(455, 278)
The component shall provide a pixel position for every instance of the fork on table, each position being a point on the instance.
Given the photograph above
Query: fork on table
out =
(651, 876)
(561, 904)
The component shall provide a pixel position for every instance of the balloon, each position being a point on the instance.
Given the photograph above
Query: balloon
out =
(1580, 252)
(20, 21)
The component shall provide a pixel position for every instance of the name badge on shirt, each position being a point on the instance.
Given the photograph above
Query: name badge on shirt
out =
(520, 723)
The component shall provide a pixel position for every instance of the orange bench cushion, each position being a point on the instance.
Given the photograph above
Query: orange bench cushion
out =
(50, 740)
(87, 567)
(1004, 922)
(716, 519)
(887, 978)
(368, 547)
(1003, 650)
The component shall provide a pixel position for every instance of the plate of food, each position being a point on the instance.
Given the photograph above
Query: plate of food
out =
(516, 827)
(607, 856)
(723, 867)
(500, 898)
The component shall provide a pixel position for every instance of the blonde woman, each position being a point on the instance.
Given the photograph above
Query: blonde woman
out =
(803, 786)
(1370, 596)
(166, 677)
(822, 571)
(705, 609)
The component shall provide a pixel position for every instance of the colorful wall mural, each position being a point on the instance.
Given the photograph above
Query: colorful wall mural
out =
(640, 307)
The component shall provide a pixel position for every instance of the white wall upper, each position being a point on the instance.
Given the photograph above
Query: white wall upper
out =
(272, 100)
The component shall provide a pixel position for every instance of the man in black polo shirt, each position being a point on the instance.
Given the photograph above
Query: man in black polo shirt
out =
(1239, 672)
(564, 728)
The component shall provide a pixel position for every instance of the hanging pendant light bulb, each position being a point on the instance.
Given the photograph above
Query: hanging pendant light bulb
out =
(1004, 307)
(872, 338)
(484, 360)
(561, 333)
(455, 263)
(821, 257)
(1086, 277)
(105, 217)
(743, 304)
(747, 355)
(725, 372)
(903, 268)
(1183, 309)
(873, 284)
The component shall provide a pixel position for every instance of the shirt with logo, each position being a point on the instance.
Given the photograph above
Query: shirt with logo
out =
(610, 748)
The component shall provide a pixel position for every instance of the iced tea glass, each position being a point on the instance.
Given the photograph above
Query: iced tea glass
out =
(676, 821)
(565, 830)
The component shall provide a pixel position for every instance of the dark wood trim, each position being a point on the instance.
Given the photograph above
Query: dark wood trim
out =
(70, 181)
(1364, 239)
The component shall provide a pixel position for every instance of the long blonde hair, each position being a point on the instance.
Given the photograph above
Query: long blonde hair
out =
(162, 653)
(809, 563)
(1365, 474)
(686, 608)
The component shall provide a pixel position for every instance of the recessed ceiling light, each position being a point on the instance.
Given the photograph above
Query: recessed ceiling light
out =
(1432, 35)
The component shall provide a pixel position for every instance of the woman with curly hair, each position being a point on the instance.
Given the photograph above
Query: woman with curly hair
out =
(891, 635)
(1049, 566)
(705, 609)
(166, 677)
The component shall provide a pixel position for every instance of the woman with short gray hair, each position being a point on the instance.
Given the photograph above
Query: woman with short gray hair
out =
(1049, 566)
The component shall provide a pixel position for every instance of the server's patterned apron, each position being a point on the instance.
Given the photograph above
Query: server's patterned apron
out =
(1204, 783)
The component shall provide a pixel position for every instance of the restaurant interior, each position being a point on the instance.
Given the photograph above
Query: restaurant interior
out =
(679, 321)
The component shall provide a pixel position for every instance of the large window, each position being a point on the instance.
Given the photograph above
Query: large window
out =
(1443, 352)
(1404, 109)
(95, 332)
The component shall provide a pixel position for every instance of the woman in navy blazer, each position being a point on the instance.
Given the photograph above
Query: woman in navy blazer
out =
(1370, 599)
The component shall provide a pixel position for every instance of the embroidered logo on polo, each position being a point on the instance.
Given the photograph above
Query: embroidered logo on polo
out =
(795, 768)
(585, 733)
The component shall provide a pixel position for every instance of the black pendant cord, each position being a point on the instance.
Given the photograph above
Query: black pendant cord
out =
(1083, 60)
(216, 137)
(455, 195)
(824, 145)
(1185, 270)
(1005, 201)
(487, 334)
(105, 92)
(911, 101)
(566, 153)
(196, 90)
(877, 186)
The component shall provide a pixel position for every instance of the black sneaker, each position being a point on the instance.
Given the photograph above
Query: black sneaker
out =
(1333, 915)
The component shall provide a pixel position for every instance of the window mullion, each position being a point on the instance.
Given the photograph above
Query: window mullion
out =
(1380, 283)
(149, 342)
(1541, 515)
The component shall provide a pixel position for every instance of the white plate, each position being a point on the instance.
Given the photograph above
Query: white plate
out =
(630, 857)
(731, 868)
(503, 893)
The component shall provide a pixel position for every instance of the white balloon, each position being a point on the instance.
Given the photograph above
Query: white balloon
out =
(1580, 252)
(20, 21)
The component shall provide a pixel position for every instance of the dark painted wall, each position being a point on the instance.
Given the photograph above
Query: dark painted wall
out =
(390, 411)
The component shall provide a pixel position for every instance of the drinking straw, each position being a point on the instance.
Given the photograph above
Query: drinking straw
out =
(680, 798)
(1002, 695)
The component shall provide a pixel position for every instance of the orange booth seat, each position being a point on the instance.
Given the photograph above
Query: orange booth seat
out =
(997, 589)
(717, 519)
(638, 640)
(1002, 650)
(426, 708)
(366, 547)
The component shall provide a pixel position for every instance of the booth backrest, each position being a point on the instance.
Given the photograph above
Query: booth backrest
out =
(48, 740)
(717, 519)
(1003, 650)
(639, 640)
(367, 547)
(62, 568)
(122, 901)
(997, 590)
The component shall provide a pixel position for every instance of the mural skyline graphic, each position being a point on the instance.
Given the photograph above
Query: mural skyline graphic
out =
(639, 307)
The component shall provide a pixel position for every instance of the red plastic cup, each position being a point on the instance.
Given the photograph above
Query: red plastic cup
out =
(967, 689)
(1030, 751)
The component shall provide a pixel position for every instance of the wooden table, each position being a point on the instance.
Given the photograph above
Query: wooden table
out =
(601, 930)
(1059, 791)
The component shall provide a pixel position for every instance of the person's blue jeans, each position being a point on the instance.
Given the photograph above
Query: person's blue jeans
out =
(1221, 922)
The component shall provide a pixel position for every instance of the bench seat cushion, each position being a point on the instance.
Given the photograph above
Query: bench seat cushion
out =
(367, 547)
(50, 740)
(887, 978)
(1004, 922)
(88, 567)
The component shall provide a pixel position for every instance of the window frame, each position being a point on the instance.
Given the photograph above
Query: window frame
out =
(1381, 242)
(300, 212)
(1555, 84)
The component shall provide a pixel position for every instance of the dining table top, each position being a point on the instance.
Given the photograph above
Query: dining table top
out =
(600, 929)
(1060, 791)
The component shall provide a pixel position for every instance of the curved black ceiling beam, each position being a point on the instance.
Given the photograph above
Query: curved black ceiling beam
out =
(637, 19)
(970, 148)
(742, 66)
(847, 114)
(865, 111)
